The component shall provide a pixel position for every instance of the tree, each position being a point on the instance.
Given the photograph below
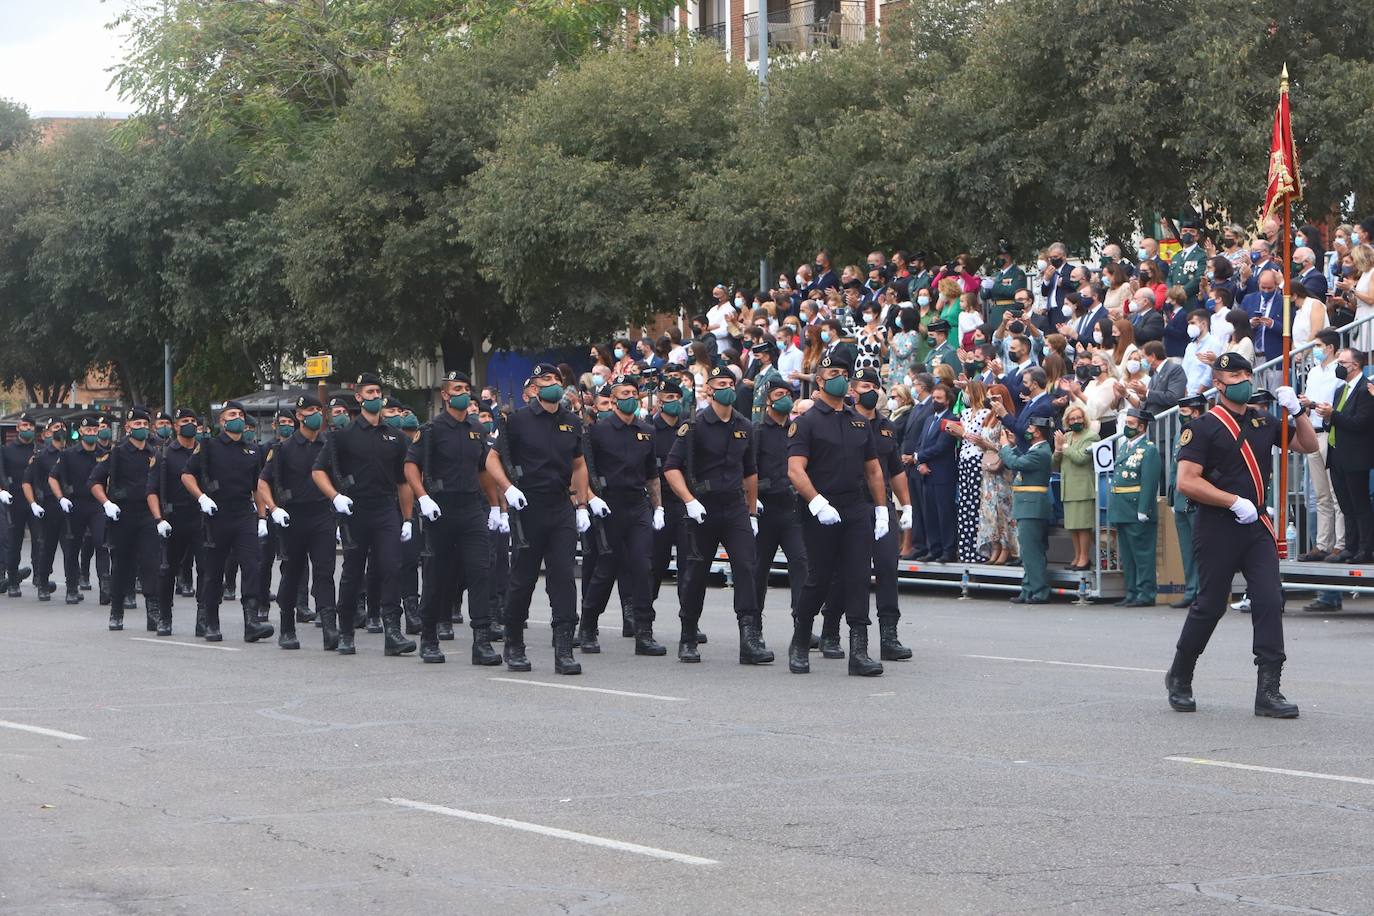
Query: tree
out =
(15, 126)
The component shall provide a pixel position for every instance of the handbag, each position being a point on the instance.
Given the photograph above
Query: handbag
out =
(992, 462)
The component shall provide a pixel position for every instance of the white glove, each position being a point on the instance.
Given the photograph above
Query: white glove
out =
(754, 524)
(880, 523)
(824, 512)
(696, 511)
(407, 532)
(111, 510)
(1245, 511)
(281, 518)
(1141, 516)
(5, 497)
(504, 525)
(1288, 398)
(38, 511)
(904, 518)
(599, 507)
(584, 521)
(429, 508)
(493, 518)
(66, 504)
(207, 505)
(758, 507)
(342, 504)
(262, 527)
(514, 498)
(164, 529)
(659, 520)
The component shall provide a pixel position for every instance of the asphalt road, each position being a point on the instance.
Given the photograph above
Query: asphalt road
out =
(1025, 761)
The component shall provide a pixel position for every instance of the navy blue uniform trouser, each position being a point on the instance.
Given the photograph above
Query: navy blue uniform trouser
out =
(550, 528)
(376, 533)
(80, 524)
(1221, 547)
(19, 520)
(184, 542)
(848, 551)
(780, 525)
(460, 548)
(51, 527)
(232, 536)
(629, 534)
(727, 525)
(133, 552)
(941, 530)
(309, 538)
(885, 556)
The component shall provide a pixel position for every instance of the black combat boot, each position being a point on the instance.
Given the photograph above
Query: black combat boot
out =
(411, 607)
(150, 609)
(588, 634)
(344, 643)
(627, 622)
(563, 660)
(184, 588)
(860, 664)
(798, 659)
(104, 584)
(253, 629)
(305, 615)
(374, 620)
(360, 613)
(482, 652)
(200, 620)
(445, 629)
(830, 638)
(130, 602)
(890, 648)
(231, 592)
(514, 652)
(329, 628)
(701, 637)
(687, 644)
(73, 596)
(287, 638)
(396, 644)
(116, 618)
(430, 653)
(752, 651)
(85, 585)
(1269, 701)
(1179, 682)
(212, 633)
(498, 631)
(645, 644)
(164, 619)
(44, 593)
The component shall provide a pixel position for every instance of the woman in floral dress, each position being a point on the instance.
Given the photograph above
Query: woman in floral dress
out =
(996, 530)
(902, 352)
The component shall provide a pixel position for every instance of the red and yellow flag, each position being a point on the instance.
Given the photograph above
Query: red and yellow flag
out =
(1284, 181)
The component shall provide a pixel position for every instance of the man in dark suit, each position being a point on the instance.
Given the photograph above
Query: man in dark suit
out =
(1350, 453)
(1305, 260)
(1147, 321)
(921, 410)
(1037, 404)
(1265, 308)
(1056, 280)
(825, 277)
(1168, 381)
(937, 464)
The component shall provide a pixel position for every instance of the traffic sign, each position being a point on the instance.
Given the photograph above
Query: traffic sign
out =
(321, 366)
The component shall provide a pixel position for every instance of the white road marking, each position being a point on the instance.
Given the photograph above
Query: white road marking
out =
(193, 645)
(555, 832)
(617, 693)
(1306, 774)
(1045, 661)
(50, 732)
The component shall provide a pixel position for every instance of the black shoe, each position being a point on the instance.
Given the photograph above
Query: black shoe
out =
(164, 625)
(687, 646)
(1139, 603)
(949, 558)
(329, 628)
(752, 651)
(430, 654)
(627, 624)
(798, 659)
(445, 630)
(411, 607)
(890, 648)
(1363, 558)
(287, 639)
(1182, 603)
(563, 660)
(1017, 599)
(116, 622)
(860, 665)
(587, 637)
(44, 594)
(253, 629)
(830, 645)
(150, 609)
(514, 654)
(701, 637)
(1340, 556)
(1313, 556)
(498, 631)
(346, 646)
(1179, 682)
(231, 593)
(130, 603)
(212, 632)
(815, 642)
(1269, 702)
(73, 596)
(200, 621)
(645, 644)
(1124, 602)
(482, 652)
(1321, 607)
(396, 644)
(374, 623)
(85, 585)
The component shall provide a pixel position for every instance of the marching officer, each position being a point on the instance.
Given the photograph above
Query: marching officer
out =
(170, 502)
(446, 468)
(779, 524)
(68, 482)
(1223, 467)
(1030, 505)
(1132, 508)
(367, 458)
(15, 459)
(1189, 409)
(1189, 265)
(121, 477)
(44, 507)
(304, 521)
(283, 428)
(834, 467)
(672, 411)
(620, 452)
(222, 477)
(711, 468)
(412, 552)
(493, 421)
(162, 430)
(542, 447)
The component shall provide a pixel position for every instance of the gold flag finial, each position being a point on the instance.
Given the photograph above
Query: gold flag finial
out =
(1283, 79)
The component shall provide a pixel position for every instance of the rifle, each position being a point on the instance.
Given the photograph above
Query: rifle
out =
(689, 465)
(431, 486)
(341, 483)
(596, 484)
(280, 494)
(208, 486)
(513, 473)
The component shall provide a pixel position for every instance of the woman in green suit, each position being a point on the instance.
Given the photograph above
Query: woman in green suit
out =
(1073, 458)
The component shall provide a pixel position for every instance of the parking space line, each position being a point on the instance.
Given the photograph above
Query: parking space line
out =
(193, 645)
(617, 693)
(1045, 661)
(1305, 774)
(554, 832)
(49, 732)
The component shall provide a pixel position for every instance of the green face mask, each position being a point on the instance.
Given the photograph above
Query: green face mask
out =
(186, 431)
(1239, 392)
(868, 400)
(460, 402)
(488, 425)
(724, 396)
(551, 394)
(88, 438)
(373, 405)
(26, 435)
(603, 414)
(339, 421)
(672, 408)
(314, 421)
(783, 405)
(1075, 427)
(627, 405)
(139, 435)
(285, 430)
(410, 421)
(104, 435)
(1030, 435)
(164, 432)
(394, 422)
(836, 387)
(250, 435)
(235, 426)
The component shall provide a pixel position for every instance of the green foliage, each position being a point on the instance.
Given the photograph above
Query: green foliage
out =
(15, 126)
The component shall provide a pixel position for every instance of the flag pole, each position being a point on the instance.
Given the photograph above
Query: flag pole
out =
(1282, 527)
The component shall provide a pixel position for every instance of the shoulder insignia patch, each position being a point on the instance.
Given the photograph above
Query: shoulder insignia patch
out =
(682, 433)
(886, 432)
(741, 434)
(564, 428)
(271, 453)
(858, 424)
(104, 457)
(642, 437)
(792, 430)
(1186, 437)
(1257, 422)
(152, 461)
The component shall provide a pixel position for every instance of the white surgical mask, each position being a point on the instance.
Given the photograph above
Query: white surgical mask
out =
(923, 300)
(739, 302)
(1097, 337)
(1041, 264)
(1141, 254)
(800, 281)
(1194, 331)
(1068, 310)
(1132, 366)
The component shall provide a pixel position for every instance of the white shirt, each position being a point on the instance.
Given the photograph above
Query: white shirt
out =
(717, 315)
(1321, 387)
(1199, 373)
(790, 360)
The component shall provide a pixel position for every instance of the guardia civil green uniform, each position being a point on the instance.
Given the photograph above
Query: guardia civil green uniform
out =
(1135, 483)
(1189, 266)
(945, 354)
(1033, 511)
(1005, 284)
(1184, 513)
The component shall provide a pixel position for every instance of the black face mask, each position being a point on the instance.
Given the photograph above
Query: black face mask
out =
(1016, 327)
(1342, 373)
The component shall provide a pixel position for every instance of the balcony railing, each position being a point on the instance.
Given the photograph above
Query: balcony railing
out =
(807, 26)
(711, 31)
